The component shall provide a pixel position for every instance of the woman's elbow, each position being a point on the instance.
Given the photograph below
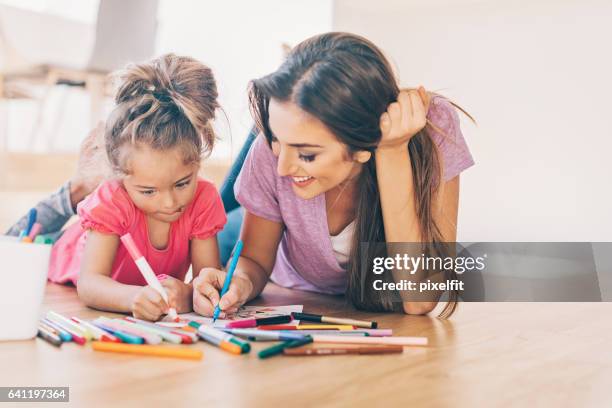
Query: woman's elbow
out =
(419, 308)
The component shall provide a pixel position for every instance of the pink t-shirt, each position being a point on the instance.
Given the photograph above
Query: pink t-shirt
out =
(110, 210)
(305, 258)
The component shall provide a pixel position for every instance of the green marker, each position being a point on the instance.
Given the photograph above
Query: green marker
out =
(278, 348)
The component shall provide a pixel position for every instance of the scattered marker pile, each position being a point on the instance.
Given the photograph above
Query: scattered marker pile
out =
(135, 336)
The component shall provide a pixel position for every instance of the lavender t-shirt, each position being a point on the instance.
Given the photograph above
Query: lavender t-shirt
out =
(305, 259)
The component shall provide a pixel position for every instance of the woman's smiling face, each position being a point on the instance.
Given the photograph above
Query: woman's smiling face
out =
(307, 151)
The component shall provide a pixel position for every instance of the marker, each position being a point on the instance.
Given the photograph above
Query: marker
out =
(362, 332)
(49, 328)
(64, 335)
(75, 337)
(327, 332)
(216, 336)
(278, 348)
(32, 214)
(302, 351)
(265, 335)
(222, 344)
(398, 341)
(96, 332)
(49, 336)
(146, 271)
(168, 334)
(130, 328)
(249, 323)
(42, 239)
(68, 325)
(334, 320)
(125, 337)
(158, 351)
(220, 341)
(36, 228)
(331, 327)
(228, 277)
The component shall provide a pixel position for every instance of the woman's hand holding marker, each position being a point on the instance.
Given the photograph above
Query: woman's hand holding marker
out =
(235, 291)
(404, 118)
(206, 288)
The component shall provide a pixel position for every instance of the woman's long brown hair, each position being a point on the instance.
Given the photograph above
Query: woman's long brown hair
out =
(346, 82)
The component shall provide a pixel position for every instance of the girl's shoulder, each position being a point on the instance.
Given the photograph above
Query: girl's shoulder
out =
(205, 215)
(206, 195)
(108, 205)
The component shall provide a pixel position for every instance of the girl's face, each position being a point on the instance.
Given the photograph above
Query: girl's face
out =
(159, 182)
(308, 152)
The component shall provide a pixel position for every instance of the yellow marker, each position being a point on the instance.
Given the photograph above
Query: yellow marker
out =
(159, 351)
(325, 327)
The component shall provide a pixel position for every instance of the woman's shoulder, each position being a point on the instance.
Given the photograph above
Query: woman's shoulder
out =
(445, 130)
(261, 151)
(259, 167)
(442, 113)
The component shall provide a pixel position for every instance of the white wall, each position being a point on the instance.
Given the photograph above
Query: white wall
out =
(239, 39)
(537, 77)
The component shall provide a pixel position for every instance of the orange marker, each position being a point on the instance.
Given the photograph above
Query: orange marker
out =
(158, 351)
(230, 347)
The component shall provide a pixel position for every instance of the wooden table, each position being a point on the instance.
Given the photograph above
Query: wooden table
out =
(488, 354)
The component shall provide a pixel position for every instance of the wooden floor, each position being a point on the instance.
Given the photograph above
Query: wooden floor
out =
(488, 354)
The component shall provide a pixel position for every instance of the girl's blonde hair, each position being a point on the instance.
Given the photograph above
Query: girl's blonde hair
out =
(164, 103)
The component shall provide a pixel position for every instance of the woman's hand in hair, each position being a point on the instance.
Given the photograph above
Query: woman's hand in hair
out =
(404, 118)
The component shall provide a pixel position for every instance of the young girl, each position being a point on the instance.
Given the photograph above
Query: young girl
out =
(155, 138)
(346, 160)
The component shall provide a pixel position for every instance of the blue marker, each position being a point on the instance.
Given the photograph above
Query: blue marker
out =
(31, 220)
(267, 335)
(228, 277)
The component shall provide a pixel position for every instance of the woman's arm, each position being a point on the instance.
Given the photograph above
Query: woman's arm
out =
(399, 212)
(98, 290)
(393, 167)
(261, 238)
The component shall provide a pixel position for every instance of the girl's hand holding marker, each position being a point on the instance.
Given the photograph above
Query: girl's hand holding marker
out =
(151, 299)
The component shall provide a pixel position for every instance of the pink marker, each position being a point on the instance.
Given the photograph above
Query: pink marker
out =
(35, 231)
(248, 323)
(146, 271)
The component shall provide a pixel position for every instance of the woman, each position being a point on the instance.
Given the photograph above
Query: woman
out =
(344, 158)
